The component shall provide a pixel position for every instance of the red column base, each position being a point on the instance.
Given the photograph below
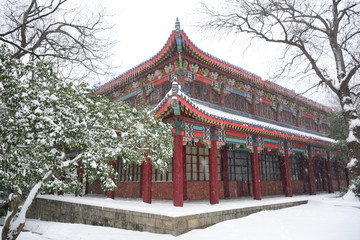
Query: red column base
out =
(110, 195)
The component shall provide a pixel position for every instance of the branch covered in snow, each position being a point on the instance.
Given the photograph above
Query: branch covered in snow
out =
(52, 127)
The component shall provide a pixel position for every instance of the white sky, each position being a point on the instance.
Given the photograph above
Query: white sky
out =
(142, 27)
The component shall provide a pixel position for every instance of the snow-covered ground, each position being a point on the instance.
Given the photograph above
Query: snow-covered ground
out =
(324, 217)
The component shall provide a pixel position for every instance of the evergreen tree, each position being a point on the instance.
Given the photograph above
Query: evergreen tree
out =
(43, 117)
(338, 131)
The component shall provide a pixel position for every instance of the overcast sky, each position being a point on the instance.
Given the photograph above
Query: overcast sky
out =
(142, 27)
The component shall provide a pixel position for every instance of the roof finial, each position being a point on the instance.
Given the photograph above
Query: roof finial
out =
(177, 24)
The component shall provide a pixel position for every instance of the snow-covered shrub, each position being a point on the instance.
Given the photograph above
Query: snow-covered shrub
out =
(43, 117)
(356, 186)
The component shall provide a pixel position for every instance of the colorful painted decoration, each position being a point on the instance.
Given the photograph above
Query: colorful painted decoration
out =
(231, 82)
(214, 75)
(194, 68)
(151, 77)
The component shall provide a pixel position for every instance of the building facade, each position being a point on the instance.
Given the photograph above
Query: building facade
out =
(234, 134)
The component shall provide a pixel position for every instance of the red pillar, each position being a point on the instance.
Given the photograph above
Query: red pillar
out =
(347, 177)
(222, 98)
(61, 193)
(178, 188)
(214, 184)
(111, 194)
(252, 107)
(184, 174)
(311, 175)
(141, 180)
(297, 120)
(287, 178)
(225, 173)
(330, 177)
(79, 177)
(146, 186)
(255, 170)
(277, 116)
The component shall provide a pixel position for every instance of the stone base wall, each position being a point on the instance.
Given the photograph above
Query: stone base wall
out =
(58, 211)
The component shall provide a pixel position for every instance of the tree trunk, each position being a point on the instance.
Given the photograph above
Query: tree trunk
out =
(353, 124)
(13, 201)
(17, 222)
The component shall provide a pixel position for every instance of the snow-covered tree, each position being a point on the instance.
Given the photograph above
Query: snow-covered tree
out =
(321, 41)
(43, 117)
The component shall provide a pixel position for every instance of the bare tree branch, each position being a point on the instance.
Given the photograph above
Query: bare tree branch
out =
(325, 34)
(76, 38)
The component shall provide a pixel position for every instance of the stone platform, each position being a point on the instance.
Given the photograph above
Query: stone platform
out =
(70, 212)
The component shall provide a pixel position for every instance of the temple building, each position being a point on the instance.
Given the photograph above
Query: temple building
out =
(234, 134)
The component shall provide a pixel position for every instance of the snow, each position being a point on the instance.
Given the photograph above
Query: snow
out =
(221, 114)
(352, 163)
(324, 217)
(53, 97)
(238, 118)
(350, 195)
(353, 125)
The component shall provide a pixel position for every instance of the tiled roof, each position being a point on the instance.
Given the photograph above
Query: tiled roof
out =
(187, 45)
(233, 119)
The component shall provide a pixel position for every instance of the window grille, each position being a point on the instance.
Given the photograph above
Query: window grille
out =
(215, 97)
(295, 168)
(269, 167)
(197, 163)
(239, 166)
(167, 176)
(234, 101)
(130, 173)
(206, 94)
(241, 104)
(227, 100)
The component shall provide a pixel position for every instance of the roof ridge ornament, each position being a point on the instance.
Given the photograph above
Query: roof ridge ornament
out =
(177, 24)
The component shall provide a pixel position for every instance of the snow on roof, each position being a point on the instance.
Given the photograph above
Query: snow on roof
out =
(222, 113)
(262, 124)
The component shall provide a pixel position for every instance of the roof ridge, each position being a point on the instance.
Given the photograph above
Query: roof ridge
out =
(178, 30)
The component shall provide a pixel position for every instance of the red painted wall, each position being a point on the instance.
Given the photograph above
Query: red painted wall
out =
(336, 185)
(200, 190)
(197, 190)
(128, 190)
(297, 186)
(343, 183)
(94, 188)
(162, 190)
(272, 188)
